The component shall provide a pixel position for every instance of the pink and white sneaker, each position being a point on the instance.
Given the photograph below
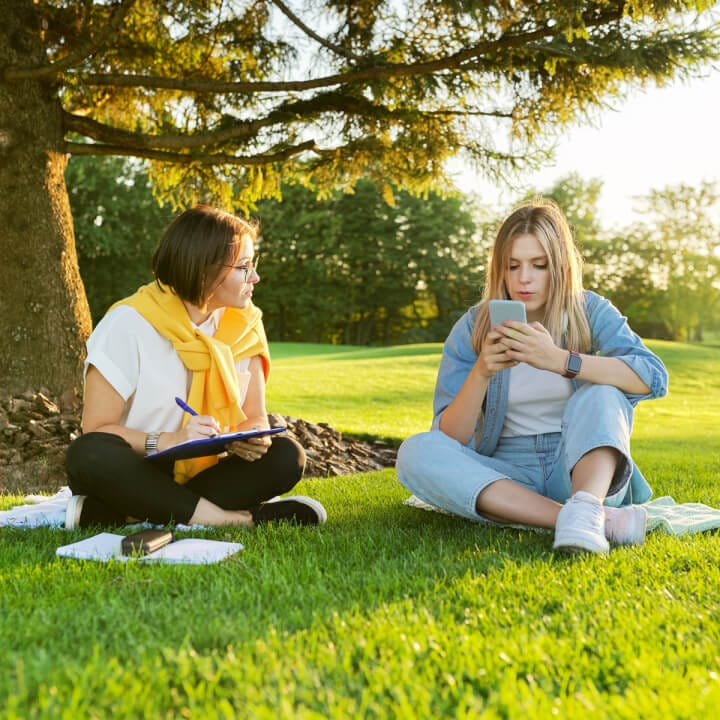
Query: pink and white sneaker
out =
(626, 525)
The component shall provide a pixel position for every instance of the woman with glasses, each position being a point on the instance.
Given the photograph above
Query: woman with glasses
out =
(193, 334)
(532, 419)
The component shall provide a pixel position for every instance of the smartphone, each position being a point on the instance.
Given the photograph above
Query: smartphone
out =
(502, 310)
(145, 542)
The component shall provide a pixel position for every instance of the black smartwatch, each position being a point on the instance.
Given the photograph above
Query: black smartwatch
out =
(573, 364)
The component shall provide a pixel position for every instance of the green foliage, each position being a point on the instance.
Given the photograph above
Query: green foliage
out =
(662, 272)
(665, 271)
(117, 226)
(579, 199)
(356, 270)
(350, 268)
(228, 100)
(683, 225)
(387, 611)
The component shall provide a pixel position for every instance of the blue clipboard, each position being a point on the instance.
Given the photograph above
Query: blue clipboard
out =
(209, 445)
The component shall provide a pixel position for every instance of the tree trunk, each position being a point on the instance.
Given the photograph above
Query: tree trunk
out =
(44, 315)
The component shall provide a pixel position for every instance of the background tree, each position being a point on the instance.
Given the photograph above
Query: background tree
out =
(300, 296)
(663, 271)
(579, 198)
(219, 95)
(681, 235)
(353, 269)
(117, 224)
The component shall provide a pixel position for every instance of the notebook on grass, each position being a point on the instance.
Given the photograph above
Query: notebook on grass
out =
(190, 551)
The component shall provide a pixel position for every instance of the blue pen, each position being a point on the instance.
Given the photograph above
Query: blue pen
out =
(185, 406)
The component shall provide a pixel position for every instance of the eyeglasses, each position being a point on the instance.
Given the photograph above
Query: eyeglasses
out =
(246, 270)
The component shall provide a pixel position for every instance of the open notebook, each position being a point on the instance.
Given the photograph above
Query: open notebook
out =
(189, 551)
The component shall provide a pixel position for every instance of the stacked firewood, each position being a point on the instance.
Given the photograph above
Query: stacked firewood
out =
(328, 452)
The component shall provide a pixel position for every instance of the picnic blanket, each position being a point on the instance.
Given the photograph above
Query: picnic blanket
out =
(47, 511)
(663, 514)
(39, 511)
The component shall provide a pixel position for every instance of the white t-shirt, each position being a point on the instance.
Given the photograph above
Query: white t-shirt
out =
(536, 401)
(143, 367)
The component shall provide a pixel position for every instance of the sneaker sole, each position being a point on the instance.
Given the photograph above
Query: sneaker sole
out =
(577, 542)
(314, 504)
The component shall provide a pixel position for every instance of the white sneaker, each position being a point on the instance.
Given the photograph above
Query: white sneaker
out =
(73, 512)
(626, 525)
(581, 525)
(85, 511)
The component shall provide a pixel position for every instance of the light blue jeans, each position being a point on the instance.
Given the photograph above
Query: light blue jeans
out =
(449, 475)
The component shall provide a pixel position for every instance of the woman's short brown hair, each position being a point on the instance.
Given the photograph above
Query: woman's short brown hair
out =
(195, 246)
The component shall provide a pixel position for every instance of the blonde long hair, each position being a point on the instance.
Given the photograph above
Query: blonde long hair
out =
(565, 317)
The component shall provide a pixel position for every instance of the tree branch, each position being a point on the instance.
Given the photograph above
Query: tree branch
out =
(115, 136)
(451, 62)
(290, 15)
(86, 50)
(240, 131)
(189, 159)
(467, 113)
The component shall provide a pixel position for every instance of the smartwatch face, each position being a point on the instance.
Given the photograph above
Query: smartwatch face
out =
(574, 364)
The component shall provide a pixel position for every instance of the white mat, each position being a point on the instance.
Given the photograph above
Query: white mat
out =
(49, 511)
(664, 514)
(39, 511)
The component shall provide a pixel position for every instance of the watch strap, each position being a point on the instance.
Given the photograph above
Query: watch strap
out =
(151, 443)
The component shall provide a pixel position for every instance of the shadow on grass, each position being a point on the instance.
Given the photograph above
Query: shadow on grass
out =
(374, 552)
(288, 578)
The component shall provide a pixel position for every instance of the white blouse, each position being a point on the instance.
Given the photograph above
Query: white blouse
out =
(536, 401)
(143, 367)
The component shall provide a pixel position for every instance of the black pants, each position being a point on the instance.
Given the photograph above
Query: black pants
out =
(105, 467)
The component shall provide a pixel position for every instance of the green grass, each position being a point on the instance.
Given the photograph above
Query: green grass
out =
(382, 392)
(387, 611)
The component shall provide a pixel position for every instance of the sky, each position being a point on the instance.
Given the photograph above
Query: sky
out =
(657, 137)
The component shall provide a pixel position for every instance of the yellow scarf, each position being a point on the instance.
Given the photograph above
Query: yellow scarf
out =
(214, 388)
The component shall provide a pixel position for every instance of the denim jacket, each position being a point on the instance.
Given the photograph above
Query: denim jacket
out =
(611, 337)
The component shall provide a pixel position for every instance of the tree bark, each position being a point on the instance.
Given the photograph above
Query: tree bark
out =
(44, 315)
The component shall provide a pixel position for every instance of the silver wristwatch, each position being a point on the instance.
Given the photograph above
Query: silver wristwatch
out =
(151, 443)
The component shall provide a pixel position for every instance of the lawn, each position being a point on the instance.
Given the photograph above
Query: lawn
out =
(386, 611)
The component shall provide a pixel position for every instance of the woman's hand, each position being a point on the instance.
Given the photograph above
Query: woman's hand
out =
(253, 448)
(459, 418)
(494, 355)
(196, 428)
(531, 343)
